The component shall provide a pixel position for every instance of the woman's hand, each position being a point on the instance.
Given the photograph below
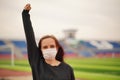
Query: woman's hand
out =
(27, 7)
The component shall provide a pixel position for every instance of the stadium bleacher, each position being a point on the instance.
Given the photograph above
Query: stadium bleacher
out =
(2, 51)
(115, 44)
(100, 48)
(83, 48)
(19, 44)
(2, 43)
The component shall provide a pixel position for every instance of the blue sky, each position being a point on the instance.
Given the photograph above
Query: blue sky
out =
(93, 19)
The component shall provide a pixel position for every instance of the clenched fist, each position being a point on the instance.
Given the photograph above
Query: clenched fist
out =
(27, 7)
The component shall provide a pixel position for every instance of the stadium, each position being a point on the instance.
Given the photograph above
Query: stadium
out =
(88, 31)
(13, 53)
(72, 47)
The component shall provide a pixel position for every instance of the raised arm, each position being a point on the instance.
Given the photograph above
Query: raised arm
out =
(33, 53)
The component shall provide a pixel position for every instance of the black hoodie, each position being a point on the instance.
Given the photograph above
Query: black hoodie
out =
(40, 69)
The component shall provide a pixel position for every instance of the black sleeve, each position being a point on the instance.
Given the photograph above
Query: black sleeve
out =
(71, 72)
(72, 75)
(33, 53)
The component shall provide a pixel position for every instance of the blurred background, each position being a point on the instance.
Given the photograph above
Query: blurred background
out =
(88, 30)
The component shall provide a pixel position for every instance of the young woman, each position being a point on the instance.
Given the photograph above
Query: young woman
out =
(46, 60)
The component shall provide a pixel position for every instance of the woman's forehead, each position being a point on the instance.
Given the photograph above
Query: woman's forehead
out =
(48, 41)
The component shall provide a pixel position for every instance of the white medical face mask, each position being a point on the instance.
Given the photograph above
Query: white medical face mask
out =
(49, 53)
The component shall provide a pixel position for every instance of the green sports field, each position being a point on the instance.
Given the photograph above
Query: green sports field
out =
(87, 68)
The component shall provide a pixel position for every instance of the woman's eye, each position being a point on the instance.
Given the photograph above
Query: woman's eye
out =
(45, 47)
(52, 46)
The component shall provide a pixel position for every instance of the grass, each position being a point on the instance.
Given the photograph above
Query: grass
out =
(88, 68)
(20, 65)
(96, 69)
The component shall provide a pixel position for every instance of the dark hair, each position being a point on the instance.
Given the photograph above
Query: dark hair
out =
(60, 53)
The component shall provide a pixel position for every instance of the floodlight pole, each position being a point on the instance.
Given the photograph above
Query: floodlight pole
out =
(113, 55)
(12, 55)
